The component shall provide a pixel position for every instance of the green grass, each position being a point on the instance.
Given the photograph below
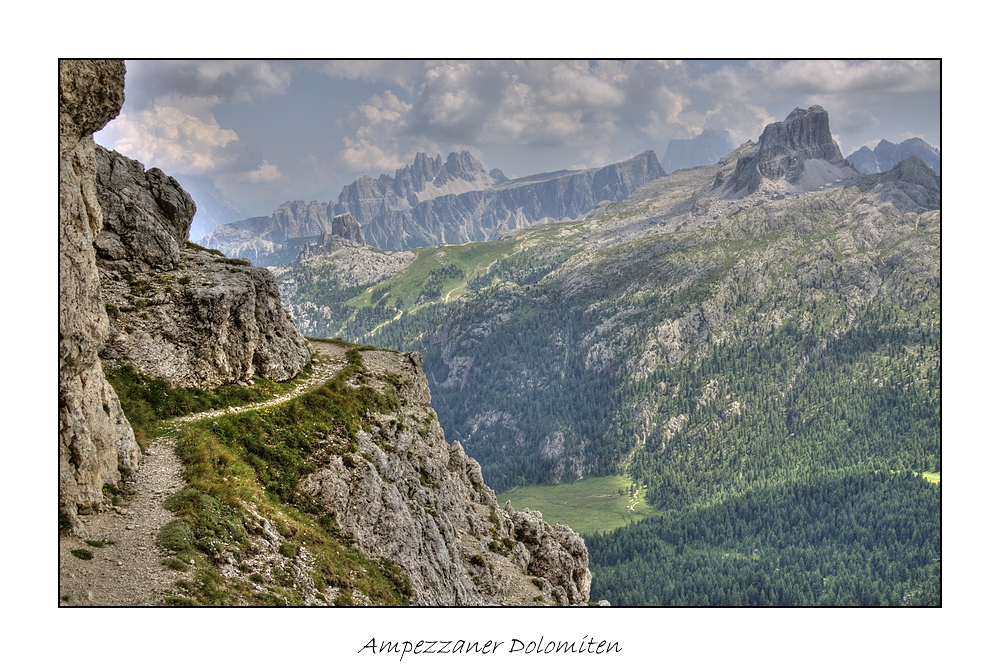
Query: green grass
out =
(149, 401)
(412, 281)
(243, 467)
(933, 477)
(589, 505)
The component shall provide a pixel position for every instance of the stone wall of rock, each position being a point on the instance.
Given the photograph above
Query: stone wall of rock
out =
(180, 312)
(95, 438)
(785, 148)
(407, 495)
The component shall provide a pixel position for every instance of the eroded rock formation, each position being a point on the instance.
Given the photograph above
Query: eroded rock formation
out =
(178, 311)
(799, 151)
(95, 438)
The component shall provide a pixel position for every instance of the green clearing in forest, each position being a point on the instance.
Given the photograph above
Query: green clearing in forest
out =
(418, 278)
(588, 505)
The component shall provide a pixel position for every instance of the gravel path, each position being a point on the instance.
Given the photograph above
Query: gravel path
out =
(126, 568)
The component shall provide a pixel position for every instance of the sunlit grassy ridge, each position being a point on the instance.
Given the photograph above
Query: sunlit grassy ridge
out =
(437, 273)
(150, 401)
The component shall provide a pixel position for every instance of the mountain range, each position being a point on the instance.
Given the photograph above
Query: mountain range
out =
(887, 155)
(754, 342)
(435, 201)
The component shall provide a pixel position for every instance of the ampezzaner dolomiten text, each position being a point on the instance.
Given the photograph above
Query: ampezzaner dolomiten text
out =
(585, 645)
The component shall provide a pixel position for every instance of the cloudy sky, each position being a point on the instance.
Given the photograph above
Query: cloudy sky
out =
(267, 131)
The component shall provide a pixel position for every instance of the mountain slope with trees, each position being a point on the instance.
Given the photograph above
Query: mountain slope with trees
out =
(708, 341)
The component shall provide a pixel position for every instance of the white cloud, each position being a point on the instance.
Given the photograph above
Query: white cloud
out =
(265, 173)
(169, 138)
(374, 144)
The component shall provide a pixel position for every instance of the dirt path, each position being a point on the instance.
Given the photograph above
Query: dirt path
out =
(126, 567)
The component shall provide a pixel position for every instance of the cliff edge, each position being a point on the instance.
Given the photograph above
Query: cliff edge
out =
(407, 495)
(95, 439)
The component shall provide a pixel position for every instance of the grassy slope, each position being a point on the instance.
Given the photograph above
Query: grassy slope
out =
(408, 284)
(242, 468)
(589, 505)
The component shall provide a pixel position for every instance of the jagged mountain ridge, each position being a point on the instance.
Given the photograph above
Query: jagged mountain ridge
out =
(887, 155)
(439, 201)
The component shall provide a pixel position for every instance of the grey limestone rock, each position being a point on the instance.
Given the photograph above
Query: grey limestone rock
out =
(95, 439)
(407, 495)
(147, 215)
(787, 148)
(180, 312)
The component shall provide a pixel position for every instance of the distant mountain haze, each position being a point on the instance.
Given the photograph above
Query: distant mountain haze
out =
(887, 155)
(706, 148)
(435, 201)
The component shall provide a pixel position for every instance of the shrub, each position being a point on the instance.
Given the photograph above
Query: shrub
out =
(175, 536)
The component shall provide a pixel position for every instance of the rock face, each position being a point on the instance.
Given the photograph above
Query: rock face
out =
(265, 239)
(95, 438)
(409, 496)
(437, 201)
(483, 214)
(344, 232)
(707, 148)
(887, 155)
(180, 312)
(800, 152)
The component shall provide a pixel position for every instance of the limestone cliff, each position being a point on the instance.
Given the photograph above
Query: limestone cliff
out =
(409, 496)
(178, 311)
(799, 153)
(95, 439)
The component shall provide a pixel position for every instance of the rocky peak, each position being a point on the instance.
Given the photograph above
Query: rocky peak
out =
(888, 154)
(344, 232)
(177, 311)
(785, 151)
(460, 166)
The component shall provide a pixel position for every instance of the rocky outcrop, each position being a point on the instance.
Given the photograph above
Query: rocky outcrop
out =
(95, 439)
(147, 216)
(911, 186)
(887, 155)
(345, 232)
(178, 311)
(707, 148)
(437, 201)
(265, 240)
(799, 151)
(407, 495)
